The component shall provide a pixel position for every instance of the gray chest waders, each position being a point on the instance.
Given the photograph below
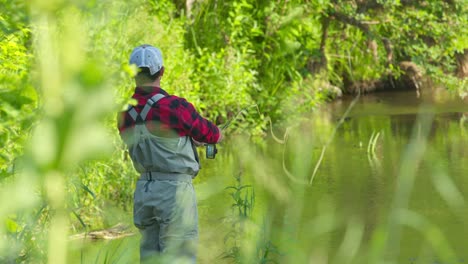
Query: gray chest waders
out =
(152, 154)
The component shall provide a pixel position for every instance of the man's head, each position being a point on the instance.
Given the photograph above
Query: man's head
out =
(150, 63)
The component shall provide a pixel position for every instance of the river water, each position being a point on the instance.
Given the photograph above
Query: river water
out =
(388, 184)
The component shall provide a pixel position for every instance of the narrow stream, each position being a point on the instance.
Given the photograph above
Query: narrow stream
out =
(392, 184)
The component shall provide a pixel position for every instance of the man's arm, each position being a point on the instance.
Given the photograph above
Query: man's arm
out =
(121, 121)
(197, 127)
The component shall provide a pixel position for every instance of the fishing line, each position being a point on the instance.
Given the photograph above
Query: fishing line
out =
(267, 118)
(340, 122)
(330, 139)
(286, 136)
(237, 115)
(332, 136)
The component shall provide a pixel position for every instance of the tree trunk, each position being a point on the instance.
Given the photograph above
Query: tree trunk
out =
(314, 65)
(462, 62)
(372, 46)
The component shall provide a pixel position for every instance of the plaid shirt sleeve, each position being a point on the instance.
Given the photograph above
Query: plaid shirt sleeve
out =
(193, 124)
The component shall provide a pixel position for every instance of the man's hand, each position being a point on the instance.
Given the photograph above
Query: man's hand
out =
(220, 137)
(198, 144)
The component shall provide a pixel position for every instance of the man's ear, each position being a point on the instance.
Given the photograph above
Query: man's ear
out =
(162, 71)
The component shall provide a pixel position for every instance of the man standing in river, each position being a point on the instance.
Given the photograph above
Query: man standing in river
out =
(160, 131)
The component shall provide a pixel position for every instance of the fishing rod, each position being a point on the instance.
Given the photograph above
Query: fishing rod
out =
(211, 149)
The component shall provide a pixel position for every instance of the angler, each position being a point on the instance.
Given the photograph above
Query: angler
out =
(161, 132)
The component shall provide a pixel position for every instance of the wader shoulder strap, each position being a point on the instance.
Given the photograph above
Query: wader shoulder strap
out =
(133, 113)
(150, 103)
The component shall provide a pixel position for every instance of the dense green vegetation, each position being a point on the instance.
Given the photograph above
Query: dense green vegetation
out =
(64, 74)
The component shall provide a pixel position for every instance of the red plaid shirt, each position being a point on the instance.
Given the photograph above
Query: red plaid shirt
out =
(174, 113)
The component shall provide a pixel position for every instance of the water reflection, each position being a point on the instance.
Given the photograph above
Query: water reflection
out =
(356, 183)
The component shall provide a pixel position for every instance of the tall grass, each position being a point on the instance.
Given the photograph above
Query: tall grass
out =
(72, 164)
(73, 174)
(396, 199)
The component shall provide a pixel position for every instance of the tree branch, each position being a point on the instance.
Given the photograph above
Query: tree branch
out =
(364, 27)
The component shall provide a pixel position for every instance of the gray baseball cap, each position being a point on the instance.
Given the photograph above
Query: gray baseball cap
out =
(147, 56)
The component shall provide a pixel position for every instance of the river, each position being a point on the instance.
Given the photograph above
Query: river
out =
(386, 183)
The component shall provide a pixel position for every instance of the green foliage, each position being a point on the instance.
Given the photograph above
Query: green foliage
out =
(263, 47)
(425, 39)
(64, 74)
(14, 16)
(18, 98)
(428, 33)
